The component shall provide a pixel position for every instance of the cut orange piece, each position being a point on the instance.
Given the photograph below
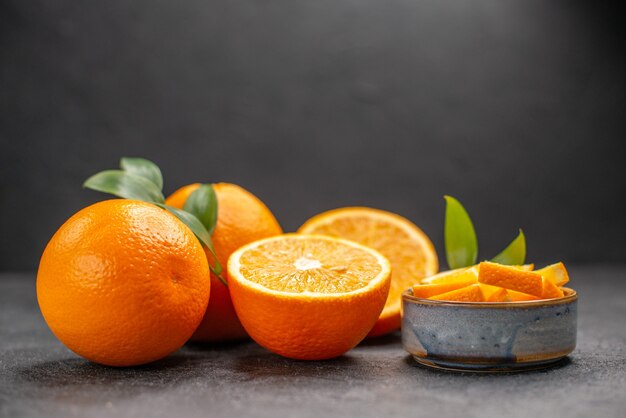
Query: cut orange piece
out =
(409, 250)
(308, 297)
(550, 290)
(427, 290)
(510, 278)
(513, 296)
(471, 293)
(493, 293)
(556, 273)
(465, 273)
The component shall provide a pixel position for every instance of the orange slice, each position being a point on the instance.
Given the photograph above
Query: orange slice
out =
(550, 290)
(471, 293)
(556, 273)
(513, 296)
(427, 290)
(493, 293)
(465, 273)
(409, 250)
(510, 278)
(308, 297)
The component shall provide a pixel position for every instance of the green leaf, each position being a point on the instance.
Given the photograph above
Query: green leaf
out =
(126, 185)
(515, 253)
(201, 233)
(202, 203)
(459, 235)
(143, 168)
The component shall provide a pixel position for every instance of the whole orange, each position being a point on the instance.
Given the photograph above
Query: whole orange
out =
(241, 219)
(123, 283)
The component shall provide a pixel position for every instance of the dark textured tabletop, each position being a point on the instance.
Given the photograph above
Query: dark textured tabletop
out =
(40, 377)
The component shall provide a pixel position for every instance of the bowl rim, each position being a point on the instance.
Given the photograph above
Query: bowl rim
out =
(570, 296)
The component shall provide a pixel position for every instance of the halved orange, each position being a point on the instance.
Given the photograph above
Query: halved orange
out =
(409, 250)
(308, 297)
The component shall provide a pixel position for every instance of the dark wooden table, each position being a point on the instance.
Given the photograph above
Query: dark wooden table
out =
(40, 377)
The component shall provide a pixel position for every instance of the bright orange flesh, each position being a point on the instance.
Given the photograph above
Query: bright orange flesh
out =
(513, 296)
(556, 273)
(428, 290)
(471, 293)
(550, 290)
(409, 250)
(493, 293)
(242, 218)
(123, 283)
(510, 278)
(308, 297)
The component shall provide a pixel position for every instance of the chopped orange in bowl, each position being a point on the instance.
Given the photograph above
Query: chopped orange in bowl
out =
(493, 282)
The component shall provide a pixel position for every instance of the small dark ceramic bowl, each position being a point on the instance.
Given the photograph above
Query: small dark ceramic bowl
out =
(480, 336)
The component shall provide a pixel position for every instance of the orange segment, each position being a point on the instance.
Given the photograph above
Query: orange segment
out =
(513, 296)
(427, 290)
(493, 293)
(409, 250)
(308, 297)
(556, 273)
(465, 273)
(471, 293)
(510, 278)
(550, 290)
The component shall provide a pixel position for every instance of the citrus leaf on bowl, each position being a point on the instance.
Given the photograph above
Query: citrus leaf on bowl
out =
(125, 185)
(460, 237)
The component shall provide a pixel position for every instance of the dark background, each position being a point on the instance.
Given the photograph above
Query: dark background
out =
(517, 108)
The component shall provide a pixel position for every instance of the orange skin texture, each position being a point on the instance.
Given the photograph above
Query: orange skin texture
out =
(123, 283)
(242, 218)
(510, 278)
(314, 329)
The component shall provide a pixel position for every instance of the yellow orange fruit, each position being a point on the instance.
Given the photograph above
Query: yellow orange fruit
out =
(409, 250)
(241, 219)
(308, 297)
(123, 283)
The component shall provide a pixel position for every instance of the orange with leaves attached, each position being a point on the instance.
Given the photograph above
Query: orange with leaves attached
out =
(241, 219)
